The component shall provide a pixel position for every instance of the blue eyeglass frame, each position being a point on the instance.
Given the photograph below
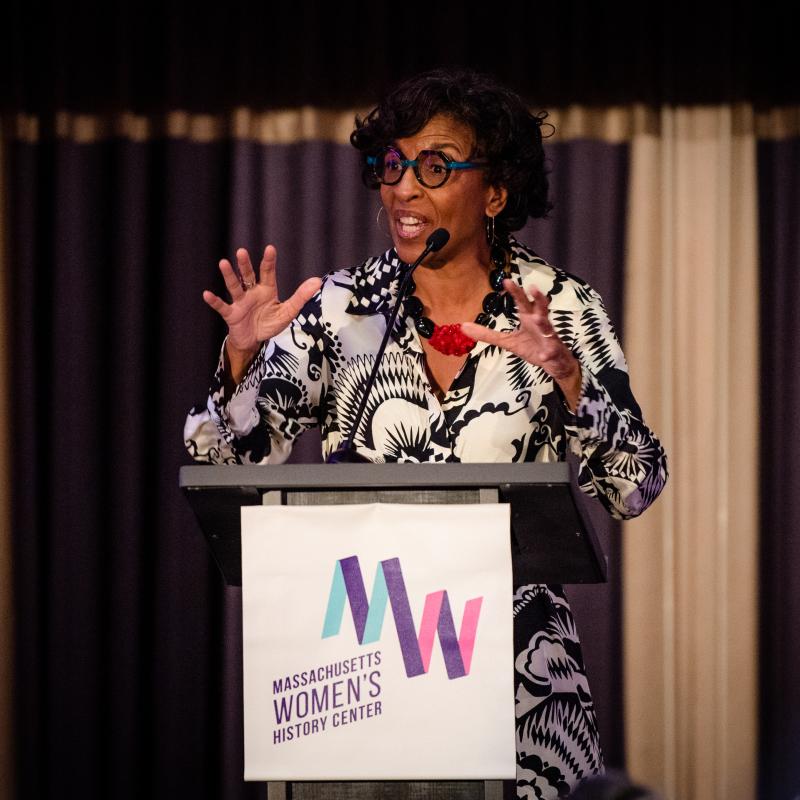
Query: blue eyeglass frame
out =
(405, 163)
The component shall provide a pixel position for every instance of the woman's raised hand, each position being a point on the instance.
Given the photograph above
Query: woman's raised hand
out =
(255, 313)
(535, 340)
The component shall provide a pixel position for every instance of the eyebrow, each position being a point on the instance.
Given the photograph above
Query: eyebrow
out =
(442, 145)
(436, 146)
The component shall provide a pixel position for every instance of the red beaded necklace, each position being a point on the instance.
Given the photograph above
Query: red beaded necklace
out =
(449, 339)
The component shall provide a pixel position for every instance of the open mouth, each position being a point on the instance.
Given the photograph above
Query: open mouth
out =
(409, 225)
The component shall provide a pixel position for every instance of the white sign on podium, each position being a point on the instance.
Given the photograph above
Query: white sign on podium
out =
(378, 642)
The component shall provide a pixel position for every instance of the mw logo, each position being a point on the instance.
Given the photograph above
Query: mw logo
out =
(389, 587)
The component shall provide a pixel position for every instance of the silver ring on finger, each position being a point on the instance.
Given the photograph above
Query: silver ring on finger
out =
(248, 284)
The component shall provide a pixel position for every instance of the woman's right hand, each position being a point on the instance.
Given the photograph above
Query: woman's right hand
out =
(255, 313)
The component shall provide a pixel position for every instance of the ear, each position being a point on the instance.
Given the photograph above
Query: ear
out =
(496, 197)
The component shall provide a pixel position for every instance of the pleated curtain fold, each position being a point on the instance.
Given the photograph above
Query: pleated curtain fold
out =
(6, 599)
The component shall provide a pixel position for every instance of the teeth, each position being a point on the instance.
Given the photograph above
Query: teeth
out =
(409, 226)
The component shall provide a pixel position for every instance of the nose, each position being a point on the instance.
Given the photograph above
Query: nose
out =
(408, 186)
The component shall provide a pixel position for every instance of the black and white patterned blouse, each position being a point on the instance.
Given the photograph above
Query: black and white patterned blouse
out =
(499, 409)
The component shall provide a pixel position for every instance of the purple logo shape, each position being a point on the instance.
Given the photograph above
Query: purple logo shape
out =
(389, 586)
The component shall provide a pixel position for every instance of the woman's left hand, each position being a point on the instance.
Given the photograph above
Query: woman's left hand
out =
(535, 340)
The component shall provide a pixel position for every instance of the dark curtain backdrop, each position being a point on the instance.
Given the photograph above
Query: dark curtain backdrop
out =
(779, 242)
(123, 55)
(128, 646)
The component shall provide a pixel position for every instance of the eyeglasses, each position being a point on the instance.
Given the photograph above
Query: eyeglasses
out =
(432, 167)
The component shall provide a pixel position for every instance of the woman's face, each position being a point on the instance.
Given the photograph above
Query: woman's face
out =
(459, 205)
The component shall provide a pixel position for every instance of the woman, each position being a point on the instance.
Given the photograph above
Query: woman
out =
(536, 369)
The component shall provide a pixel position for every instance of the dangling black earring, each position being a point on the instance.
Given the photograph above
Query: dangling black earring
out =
(500, 254)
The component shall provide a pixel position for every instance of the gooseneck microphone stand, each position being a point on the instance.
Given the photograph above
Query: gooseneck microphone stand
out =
(346, 454)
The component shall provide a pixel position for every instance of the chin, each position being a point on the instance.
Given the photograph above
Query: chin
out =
(409, 249)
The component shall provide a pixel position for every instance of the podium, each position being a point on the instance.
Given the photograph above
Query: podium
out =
(551, 541)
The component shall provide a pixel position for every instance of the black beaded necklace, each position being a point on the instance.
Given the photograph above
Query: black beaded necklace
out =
(449, 339)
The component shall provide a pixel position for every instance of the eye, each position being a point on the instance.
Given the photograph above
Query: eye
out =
(434, 168)
(434, 165)
(392, 162)
(433, 161)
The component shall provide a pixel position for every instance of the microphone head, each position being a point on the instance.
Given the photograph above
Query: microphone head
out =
(437, 240)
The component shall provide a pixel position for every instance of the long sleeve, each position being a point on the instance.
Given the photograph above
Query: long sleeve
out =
(622, 463)
(274, 403)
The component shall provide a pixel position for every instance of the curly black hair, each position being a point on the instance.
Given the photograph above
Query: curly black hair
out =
(507, 134)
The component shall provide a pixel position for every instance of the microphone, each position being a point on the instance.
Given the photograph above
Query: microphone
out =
(435, 242)
(345, 454)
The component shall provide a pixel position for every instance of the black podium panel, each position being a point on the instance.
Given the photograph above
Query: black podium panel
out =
(551, 541)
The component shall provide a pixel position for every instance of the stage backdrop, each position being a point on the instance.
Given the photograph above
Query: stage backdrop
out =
(124, 633)
(128, 664)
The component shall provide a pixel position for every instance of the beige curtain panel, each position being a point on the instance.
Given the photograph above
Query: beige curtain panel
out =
(690, 566)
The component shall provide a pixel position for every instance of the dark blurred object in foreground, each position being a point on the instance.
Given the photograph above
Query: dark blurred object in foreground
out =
(611, 786)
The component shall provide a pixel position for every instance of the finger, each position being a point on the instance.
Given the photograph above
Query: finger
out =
(246, 272)
(541, 313)
(543, 326)
(266, 270)
(540, 300)
(483, 334)
(521, 300)
(217, 303)
(232, 282)
(305, 291)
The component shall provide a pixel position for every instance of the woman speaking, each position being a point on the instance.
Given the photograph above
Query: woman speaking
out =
(495, 356)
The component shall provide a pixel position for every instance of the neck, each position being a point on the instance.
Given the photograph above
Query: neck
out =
(452, 284)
